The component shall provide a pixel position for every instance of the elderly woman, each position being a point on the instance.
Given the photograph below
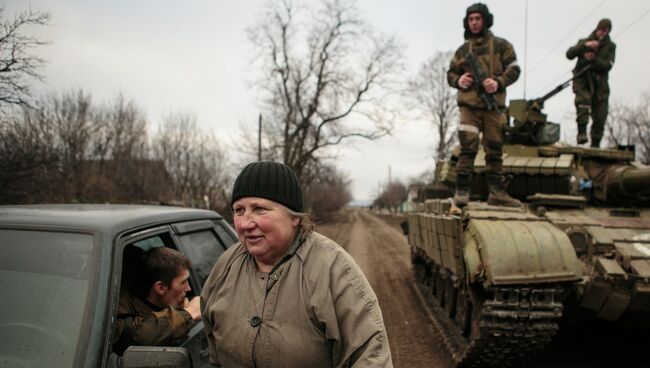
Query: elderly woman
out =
(286, 296)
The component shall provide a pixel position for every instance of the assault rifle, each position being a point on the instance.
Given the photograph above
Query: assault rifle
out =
(488, 98)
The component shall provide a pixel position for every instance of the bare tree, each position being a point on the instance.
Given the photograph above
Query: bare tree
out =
(630, 125)
(393, 196)
(195, 161)
(620, 128)
(18, 66)
(328, 192)
(323, 79)
(27, 159)
(64, 149)
(119, 156)
(642, 125)
(53, 137)
(122, 130)
(432, 98)
(71, 117)
(426, 177)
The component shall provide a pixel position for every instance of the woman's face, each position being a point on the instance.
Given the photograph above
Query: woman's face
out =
(265, 228)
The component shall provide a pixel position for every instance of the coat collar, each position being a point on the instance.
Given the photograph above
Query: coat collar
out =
(480, 39)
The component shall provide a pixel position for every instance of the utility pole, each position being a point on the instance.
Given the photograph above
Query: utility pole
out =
(389, 178)
(259, 138)
(525, 46)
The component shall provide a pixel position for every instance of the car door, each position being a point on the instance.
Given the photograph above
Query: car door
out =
(202, 241)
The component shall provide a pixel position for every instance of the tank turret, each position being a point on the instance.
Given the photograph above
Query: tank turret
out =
(529, 124)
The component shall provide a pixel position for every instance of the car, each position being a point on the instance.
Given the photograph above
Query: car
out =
(61, 272)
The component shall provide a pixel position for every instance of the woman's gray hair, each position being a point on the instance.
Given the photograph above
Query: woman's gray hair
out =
(306, 224)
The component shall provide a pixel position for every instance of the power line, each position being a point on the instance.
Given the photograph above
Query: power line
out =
(563, 39)
(525, 46)
(633, 22)
(618, 35)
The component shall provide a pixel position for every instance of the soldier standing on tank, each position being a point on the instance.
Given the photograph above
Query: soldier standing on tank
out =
(592, 88)
(498, 64)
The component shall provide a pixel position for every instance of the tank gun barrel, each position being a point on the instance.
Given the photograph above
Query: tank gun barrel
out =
(628, 182)
(539, 102)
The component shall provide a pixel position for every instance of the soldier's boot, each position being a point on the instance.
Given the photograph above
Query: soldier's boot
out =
(461, 197)
(498, 195)
(582, 137)
(595, 142)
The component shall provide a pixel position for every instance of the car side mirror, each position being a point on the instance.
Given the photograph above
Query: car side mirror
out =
(156, 357)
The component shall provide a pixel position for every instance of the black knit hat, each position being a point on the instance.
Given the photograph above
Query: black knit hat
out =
(269, 180)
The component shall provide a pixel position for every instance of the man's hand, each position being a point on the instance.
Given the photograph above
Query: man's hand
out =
(592, 44)
(193, 307)
(490, 85)
(465, 81)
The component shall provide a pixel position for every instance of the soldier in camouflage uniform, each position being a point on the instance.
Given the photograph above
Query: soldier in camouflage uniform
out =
(497, 60)
(592, 88)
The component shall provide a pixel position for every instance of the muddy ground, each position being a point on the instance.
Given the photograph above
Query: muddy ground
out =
(378, 246)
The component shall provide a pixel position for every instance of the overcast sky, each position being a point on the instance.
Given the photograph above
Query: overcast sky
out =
(193, 56)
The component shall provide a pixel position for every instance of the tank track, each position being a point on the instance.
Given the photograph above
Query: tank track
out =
(510, 324)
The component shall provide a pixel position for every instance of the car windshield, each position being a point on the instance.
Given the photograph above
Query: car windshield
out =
(45, 287)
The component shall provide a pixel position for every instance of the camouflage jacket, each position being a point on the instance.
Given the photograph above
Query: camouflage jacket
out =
(598, 75)
(496, 58)
(140, 323)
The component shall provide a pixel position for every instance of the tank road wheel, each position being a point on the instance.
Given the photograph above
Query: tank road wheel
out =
(429, 272)
(433, 281)
(471, 355)
(441, 280)
(463, 315)
(420, 265)
(450, 296)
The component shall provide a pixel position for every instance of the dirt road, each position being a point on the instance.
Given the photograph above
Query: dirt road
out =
(383, 254)
(381, 250)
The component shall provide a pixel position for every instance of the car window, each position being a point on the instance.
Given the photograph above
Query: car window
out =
(203, 242)
(150, 243)
(46, 284)
(226, 233)
(203, 248)
(133, 253)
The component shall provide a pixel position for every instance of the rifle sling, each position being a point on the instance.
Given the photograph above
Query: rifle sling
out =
(490, 54)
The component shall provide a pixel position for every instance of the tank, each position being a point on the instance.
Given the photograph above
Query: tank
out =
(499, 280)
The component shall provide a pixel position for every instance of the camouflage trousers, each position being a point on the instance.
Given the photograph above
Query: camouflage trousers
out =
(590, 104)
(472, 122)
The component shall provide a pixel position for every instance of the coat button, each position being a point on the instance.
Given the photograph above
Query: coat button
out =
(255, 321)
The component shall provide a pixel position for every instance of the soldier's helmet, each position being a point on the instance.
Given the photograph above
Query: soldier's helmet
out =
(488, 18)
